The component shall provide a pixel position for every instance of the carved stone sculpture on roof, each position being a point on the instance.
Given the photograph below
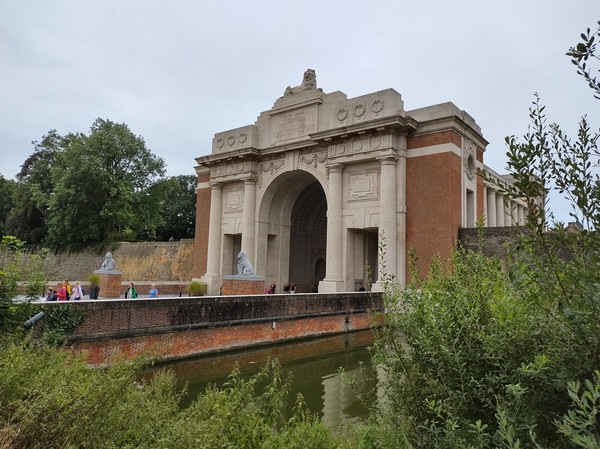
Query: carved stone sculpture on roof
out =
(309, 81)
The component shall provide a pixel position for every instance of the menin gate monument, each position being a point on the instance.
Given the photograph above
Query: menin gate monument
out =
(310, 189)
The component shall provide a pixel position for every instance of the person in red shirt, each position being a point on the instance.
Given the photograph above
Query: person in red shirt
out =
(61, 292)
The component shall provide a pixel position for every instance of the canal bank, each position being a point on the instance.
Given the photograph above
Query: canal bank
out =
(175, 328)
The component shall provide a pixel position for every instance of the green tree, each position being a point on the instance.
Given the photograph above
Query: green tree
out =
(27, 219)
(582, 53)
(179, 209)
(7, 188)
(105, 187)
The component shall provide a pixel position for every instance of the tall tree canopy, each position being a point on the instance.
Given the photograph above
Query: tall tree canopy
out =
(105, 186)
(7, 187)
(27, 219)
(81, 189)
(179, 209)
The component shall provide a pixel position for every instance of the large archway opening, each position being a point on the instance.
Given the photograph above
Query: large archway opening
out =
(308, 239)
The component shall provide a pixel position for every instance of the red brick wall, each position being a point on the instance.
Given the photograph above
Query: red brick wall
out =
(433, 205)
(179, 327)
(439, 138)
(235, 287)
(202, 224)
(204, 341)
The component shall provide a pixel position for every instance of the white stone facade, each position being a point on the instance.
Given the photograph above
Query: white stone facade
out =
(314, 190)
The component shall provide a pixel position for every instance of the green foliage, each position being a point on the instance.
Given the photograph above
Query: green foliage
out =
(7, 188)
(453, 355)
(27, 219)
(104, 183)
(581, 53)
(484, 355)
(78, 190)
(179, 209)
(50, 398)
(18, 271)
(61, 321)
(196, 288)
(94, 279)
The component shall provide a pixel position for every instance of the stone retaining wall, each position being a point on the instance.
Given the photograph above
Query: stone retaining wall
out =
(141, 261)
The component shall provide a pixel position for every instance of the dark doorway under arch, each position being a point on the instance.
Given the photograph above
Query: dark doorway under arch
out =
(308, 238)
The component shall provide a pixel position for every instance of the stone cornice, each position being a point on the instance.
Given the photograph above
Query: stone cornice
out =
(385, 124)
(238, 155)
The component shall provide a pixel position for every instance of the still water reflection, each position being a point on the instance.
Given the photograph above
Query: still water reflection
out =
(314, 365)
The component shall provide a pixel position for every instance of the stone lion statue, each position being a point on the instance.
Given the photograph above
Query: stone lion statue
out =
(309, 81)
(109, 262)
(244, 265)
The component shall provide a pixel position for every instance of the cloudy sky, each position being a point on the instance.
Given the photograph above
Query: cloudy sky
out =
(177, 72)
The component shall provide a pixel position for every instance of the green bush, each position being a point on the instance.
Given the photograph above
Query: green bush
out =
(196, 288)
(50, 398)
(19, 271)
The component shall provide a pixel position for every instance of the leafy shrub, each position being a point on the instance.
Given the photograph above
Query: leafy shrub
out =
(196, 288)
(50, 398)
(18, 270)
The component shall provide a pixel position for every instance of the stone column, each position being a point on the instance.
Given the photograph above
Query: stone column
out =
(499, 210)
(521, 214)
(508, 218)
(333, 281)
(387, 220)
(491, 208)
(401, 211)
(248, 220)
(214, 234)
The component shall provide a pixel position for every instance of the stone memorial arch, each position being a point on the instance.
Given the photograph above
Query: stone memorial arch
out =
(329, 192)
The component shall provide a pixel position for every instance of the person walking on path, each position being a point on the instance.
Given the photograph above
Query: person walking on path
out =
(61, 292)
(132, 292)
(77, 292)
(153, 291)
(68, 287)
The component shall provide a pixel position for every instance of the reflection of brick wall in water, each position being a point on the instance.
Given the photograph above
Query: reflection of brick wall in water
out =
(142, 261)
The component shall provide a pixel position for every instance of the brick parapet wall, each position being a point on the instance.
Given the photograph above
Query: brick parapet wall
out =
(122, 318)
(182, 327)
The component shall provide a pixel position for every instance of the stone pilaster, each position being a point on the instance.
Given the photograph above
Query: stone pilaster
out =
(248, 225)
(212, 278)
(388, 222)
(333, 281)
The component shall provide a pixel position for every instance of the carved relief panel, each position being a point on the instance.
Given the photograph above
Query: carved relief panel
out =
(266, 170)
(233, 196)
(363, 185)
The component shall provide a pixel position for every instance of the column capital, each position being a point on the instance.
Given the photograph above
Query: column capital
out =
(215, 185)
(336, 167)
(388, 159)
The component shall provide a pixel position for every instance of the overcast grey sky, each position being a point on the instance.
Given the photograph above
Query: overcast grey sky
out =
(178, 72)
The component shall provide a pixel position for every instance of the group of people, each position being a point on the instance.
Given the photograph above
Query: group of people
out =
(65, 292)
(289, 288)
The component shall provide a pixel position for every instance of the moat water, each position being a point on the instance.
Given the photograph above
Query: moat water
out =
(314, 365)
